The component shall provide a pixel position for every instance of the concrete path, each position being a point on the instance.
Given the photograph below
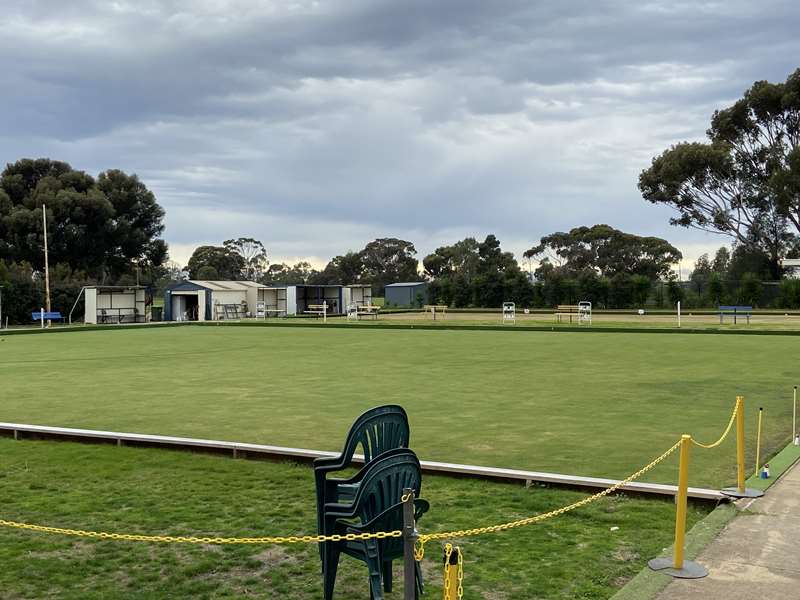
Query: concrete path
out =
(757, 556)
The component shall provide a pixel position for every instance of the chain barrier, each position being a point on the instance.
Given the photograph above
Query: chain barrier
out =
(169, 539)
(724, 434)
(419, 547)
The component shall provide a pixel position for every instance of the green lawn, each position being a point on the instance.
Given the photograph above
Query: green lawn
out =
(592, 404)
(161, 492)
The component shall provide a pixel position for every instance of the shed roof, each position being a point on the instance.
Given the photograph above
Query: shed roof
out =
(227, 286)
(407, 284)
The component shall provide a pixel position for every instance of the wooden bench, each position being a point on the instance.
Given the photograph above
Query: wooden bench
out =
(435, 308)
(581, 312)
(367, 310)
(48, 316)
(319, 310)
(566, 310)
(735, 311)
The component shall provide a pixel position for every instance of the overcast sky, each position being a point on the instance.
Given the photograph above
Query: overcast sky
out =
(319, 126)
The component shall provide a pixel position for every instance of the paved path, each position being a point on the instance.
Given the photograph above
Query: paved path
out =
(757, 556)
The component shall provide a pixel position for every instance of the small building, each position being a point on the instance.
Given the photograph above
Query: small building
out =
(792, 266)
(114, 304)
(196, 300)
(300, 297)
(200, 300)
(406, 294)
(358, 294)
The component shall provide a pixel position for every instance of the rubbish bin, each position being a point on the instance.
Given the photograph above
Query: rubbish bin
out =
(155, 313)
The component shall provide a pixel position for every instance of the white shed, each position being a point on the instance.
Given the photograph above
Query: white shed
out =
(115, 304)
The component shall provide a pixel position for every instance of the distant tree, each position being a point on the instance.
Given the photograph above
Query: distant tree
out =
(722, 260)
(344, 269)
(701, 273)
(608, 251)
(389, 260)
(229, 265)
(749, 259)
(750, 289)
(283, 274)
(207, 273)
(674, 291)
(640, 289)
(102, 227)
(253, 254)
(461, 258)
(745, 182)
(716, 289)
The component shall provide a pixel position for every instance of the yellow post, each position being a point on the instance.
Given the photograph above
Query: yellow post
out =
(740, 444)
(680, 499)
(758, 441)
(451, 584)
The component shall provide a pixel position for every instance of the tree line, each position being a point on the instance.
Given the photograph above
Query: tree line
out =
(743, 183)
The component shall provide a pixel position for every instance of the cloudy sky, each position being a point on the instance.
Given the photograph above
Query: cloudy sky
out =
(317, 126)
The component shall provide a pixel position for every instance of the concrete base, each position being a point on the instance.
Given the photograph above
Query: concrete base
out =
(734, 492)
(690, 570)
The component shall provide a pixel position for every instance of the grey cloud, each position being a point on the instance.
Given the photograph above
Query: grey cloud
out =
(319, 125)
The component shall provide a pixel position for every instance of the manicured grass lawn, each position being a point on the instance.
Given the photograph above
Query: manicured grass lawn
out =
(153, 491)
(591, 404)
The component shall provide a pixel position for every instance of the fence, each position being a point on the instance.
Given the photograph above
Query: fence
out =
(414, 541)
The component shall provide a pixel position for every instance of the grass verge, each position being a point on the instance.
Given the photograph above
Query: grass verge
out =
(577, 555)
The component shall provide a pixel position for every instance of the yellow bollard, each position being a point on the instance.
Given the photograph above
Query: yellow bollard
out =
(452, 573)
(680, 499)
(740, 444)
(740, 491)
(758, 441)
(677, 566)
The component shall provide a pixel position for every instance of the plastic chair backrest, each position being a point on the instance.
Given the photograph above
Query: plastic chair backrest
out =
(383, 484)
(376, 431)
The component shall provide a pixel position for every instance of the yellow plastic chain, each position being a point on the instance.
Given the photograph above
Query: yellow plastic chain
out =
(419, 549)
(448, 553)
(169, 539)
(460, 575)
(724, 434)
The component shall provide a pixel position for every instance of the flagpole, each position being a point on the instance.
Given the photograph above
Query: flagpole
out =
(46, 263)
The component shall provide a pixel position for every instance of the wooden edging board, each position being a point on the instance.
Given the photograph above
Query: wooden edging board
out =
(247, 450)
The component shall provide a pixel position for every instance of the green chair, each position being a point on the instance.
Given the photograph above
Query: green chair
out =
(377, 506)
(376, 431)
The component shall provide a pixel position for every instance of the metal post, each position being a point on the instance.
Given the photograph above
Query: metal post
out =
(740, 444)
(677, 566)
(324, 311)
(740, 491)
(41, 317)
(409, 538)
(758, 441)
(46, 263)
(679, 314)
(680, 499)
(795, 441)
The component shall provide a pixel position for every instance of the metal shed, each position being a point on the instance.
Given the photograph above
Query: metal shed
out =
(405, 294)
(200, 300)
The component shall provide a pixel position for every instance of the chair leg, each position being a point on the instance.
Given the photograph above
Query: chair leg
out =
(387, 576)
(374, 564)
(329, 568)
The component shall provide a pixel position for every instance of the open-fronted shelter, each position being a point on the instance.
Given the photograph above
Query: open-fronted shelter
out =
(358, 294)
(114, 304)
(300, 297)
